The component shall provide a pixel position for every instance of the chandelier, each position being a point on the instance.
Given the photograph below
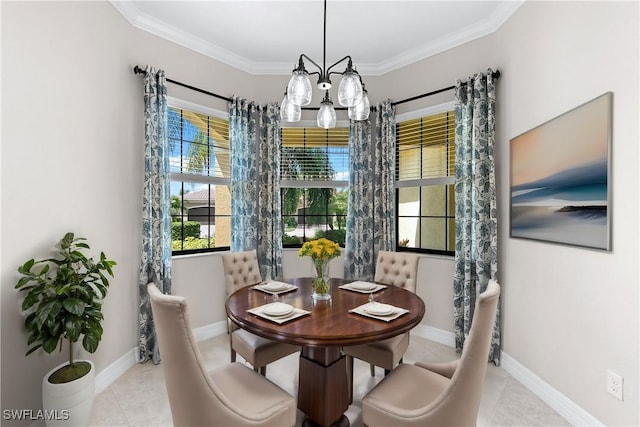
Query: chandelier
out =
(351, 92)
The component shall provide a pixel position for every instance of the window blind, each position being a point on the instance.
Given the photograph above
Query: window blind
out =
(426, 149)
(198, 145)
(314, 155)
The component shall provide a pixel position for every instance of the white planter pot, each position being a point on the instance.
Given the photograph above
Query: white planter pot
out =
(69, 404)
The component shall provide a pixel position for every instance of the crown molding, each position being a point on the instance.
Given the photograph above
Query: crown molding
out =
(473, 32)
(161, 29)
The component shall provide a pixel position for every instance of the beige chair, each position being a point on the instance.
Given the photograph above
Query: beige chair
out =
(438, 394)
(233, 395)
(393, 269)
(242, 269)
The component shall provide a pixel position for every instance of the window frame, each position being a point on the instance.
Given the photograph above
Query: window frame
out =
(423, 182)
(308, 184)
(183, 177)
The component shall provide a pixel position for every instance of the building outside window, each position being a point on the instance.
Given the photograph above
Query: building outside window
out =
(425, 178)
(200, 176)
(315, 178)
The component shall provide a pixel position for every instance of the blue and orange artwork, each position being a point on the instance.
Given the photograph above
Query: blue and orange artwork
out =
(560, 175)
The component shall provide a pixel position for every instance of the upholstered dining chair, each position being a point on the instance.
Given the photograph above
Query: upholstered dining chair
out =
(392, 269)
(438, 394)
(242, 269)
(232, 395)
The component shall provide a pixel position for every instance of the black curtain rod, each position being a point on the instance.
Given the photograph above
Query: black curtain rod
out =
(138, 70)
(495, 74)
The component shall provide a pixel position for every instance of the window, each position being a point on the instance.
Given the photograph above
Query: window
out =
(425, 178)
(200, 174)
(314, 167)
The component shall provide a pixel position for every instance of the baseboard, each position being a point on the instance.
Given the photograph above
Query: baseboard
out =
(209, 331)
(108, 375)
(434, 334)
(560, 403)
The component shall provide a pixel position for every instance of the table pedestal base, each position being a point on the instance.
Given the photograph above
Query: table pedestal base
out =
(342, 422)
(323, 386)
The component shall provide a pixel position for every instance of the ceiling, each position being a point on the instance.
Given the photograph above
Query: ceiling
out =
(267, 37)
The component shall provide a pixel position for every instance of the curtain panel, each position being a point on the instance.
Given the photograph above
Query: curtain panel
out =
(371, 211)
(269, 202)
(359, 258)
(155, 263)
(256, 221)
(385, 173)
(476, 246)
(244, 175)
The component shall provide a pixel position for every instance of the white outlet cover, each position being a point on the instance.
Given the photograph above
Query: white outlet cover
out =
(615, 384)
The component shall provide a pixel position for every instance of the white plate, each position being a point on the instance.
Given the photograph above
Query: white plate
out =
(379, 309)
(363, 286)
(275, 286)
(277, 309)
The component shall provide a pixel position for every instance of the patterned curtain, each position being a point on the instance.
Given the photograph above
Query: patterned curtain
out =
(244, 175)
(269, 203)
(256, 221)
(155, 263)
(476, 259)
(384, 178)
(359, 245)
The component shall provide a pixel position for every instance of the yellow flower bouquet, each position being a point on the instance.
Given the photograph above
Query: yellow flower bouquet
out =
(321, 251)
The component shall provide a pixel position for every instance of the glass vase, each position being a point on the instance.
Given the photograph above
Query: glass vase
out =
(321, 285)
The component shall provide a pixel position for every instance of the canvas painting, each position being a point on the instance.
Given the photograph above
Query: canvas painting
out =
(560, 174)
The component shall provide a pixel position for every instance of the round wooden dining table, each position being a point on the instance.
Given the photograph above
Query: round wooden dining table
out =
(324, 382)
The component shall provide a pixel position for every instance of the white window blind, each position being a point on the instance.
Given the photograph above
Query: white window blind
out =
(314, 157)
(199, 147)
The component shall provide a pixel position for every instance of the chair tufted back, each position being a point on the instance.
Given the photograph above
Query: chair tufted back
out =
(240, 269)
(397, 269)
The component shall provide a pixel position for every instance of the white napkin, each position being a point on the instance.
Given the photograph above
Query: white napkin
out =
(264, 287)
(350, 287)
(297, 312)
(362, 310)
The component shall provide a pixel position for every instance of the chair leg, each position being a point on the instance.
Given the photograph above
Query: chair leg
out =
(233, 355)
(373, 369)
(386, 372)
(263, 371)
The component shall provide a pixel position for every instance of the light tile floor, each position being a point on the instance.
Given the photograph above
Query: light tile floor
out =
(139, 398)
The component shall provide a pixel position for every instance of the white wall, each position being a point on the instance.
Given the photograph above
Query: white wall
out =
(73, 108)
(69, 163)
(570, 314)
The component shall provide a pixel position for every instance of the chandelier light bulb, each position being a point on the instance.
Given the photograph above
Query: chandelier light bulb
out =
(299, 88)
(288, 111)
(350, 89)
(361, 110)
(326, 114)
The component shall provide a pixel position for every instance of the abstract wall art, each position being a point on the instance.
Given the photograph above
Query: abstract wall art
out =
(560, 175)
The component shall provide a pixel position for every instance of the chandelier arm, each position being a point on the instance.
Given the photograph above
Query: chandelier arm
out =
(320, 71)
(329, 72)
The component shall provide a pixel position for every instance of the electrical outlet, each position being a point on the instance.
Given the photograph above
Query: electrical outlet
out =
(614, 384)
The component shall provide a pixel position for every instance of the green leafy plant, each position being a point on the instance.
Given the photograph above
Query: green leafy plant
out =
(64, 297)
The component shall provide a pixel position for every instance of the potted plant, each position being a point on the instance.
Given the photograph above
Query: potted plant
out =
(63, 299)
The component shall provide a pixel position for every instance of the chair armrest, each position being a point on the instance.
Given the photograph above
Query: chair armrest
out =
(445, 369)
